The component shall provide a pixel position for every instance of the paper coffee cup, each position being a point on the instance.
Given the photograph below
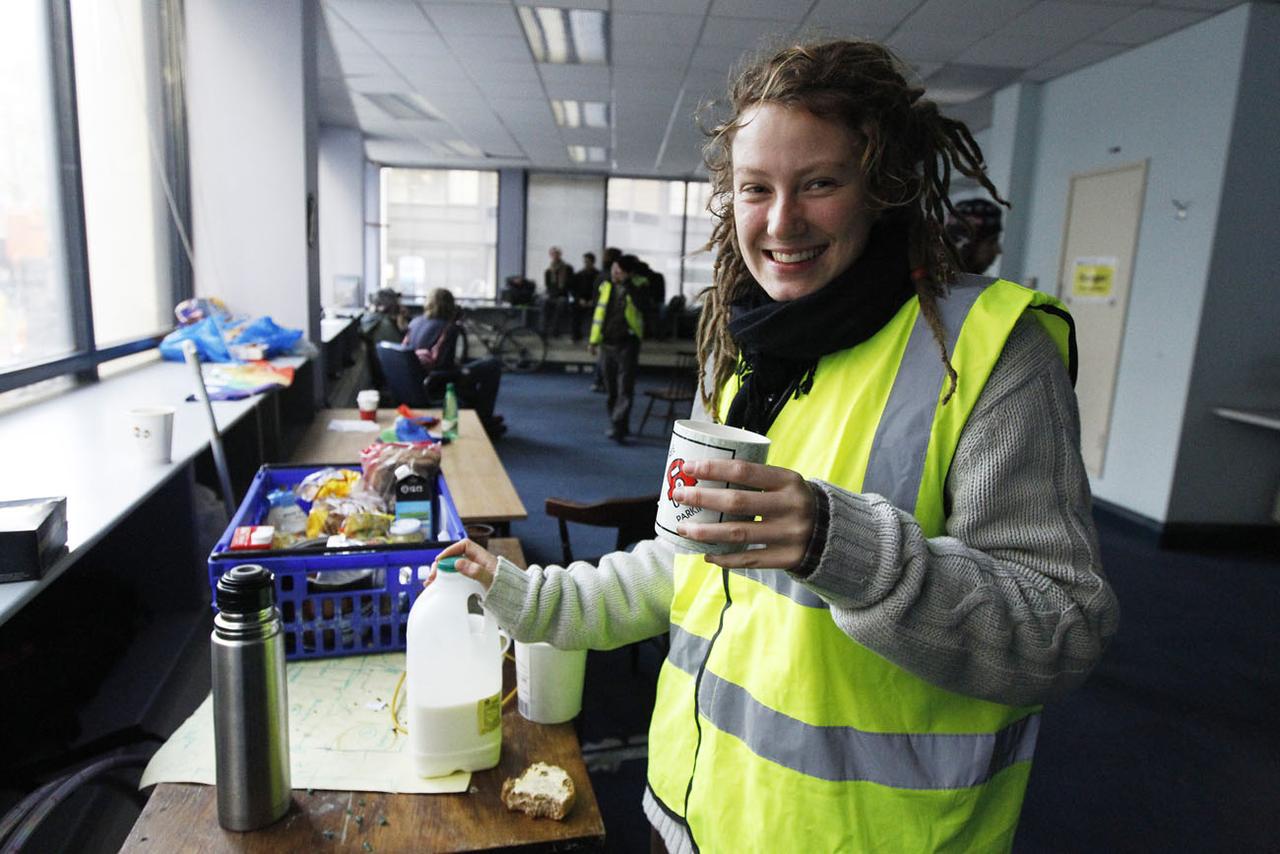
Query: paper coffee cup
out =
(549, 682)
(151, 429)
(702, 440)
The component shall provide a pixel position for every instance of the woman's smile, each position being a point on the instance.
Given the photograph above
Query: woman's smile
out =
(799, 199)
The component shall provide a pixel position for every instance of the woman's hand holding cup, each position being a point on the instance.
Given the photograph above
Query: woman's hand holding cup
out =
(777, 499)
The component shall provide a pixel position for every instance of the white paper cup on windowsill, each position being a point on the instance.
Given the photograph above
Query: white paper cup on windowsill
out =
(702, 440)
(549, 682)
(151, 431)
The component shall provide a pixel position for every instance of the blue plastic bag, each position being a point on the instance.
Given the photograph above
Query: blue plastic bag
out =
(264, 330)
(207, 335)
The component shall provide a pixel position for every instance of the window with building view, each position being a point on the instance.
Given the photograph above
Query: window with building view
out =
(698, 222)
(441, 230)
(566, 211)
(646, 219)
(36, 324)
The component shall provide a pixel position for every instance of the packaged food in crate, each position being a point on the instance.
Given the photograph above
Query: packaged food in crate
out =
(346, 574)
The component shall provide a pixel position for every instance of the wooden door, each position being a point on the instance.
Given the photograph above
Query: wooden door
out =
(1104, 211)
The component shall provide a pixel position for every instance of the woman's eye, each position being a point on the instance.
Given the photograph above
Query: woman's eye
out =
(822, 184)
(751, 190)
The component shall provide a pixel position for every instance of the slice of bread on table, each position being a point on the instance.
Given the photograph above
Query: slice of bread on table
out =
(541, 790)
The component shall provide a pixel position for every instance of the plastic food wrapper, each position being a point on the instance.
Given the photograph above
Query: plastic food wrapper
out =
(380, 460)
(328, 515)
(326, 483)
(367, 526)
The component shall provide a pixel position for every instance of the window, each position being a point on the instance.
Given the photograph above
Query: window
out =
(441, 231)
(112, 164)
(118, 99)
(698, 222)
(565, 211)
(36, 324)
(646, 219)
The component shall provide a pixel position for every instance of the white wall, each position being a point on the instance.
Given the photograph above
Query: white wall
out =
(342, 217)
(1229, 472)
(373, 228)
(248, 127)
(1171, 103)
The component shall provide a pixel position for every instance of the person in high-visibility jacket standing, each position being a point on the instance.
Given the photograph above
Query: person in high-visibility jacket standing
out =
(617, 327)
(924, 571)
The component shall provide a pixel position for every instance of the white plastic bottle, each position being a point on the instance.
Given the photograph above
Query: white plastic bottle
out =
(453, 663)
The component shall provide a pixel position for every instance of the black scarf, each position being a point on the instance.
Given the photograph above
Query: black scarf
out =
(781, 342)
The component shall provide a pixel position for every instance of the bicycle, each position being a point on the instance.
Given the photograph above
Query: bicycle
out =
(519, 347)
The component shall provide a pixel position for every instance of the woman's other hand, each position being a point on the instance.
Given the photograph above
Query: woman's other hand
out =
(473, 561)
(783, 507)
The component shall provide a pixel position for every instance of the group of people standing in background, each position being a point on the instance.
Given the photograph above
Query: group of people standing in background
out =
(620, 296)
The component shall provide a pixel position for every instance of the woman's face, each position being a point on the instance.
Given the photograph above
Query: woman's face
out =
(799, 199)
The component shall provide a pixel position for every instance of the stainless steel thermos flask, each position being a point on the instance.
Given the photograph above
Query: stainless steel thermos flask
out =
(250, 704)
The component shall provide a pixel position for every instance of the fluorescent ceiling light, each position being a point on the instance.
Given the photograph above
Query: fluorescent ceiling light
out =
(566, 36)
(586, 153)
(595, 114)
(576, 114)
(588, 28)
(404, 107)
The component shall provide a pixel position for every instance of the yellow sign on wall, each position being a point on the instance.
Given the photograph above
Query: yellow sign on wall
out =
(1093, 278)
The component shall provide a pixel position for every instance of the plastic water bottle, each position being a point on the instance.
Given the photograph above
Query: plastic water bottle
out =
(453, 662)
(250, 701)
(449, 423)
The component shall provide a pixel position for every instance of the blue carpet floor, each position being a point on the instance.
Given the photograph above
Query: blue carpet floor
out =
(1172, 745)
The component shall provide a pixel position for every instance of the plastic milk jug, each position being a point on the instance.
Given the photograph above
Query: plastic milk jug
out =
(453, 662)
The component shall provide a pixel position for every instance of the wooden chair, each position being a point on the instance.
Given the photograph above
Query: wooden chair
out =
(633, 518)
(680, 389)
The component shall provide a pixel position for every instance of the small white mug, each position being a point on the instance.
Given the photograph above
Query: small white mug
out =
(549, 682)
(152, 430)
(702, 440)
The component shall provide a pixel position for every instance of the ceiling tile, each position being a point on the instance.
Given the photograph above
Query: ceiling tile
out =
(1146, 25)
(477, 49)
(719, 58)
(973, 18)
(674, 7)
(771, 9)
(402, 15)
(581, 82)
(741, 33)
(954, 84)
(375, 83)
(872, 19)
(671, 54)
(393, 43)
(632, 28)
(1207, 5)
(356, 62)
(917, 46)
(498, 21)
(567, 4)
(1042, 31)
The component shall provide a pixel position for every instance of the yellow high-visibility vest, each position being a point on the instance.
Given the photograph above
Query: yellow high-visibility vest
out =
(634, 320)
(802, 739)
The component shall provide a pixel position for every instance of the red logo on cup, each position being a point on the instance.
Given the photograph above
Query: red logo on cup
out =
(676, 475)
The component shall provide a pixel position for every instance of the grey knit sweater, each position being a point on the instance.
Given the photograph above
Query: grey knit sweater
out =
(1010, 605)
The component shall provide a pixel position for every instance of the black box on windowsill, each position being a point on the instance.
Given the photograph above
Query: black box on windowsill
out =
(32, 534)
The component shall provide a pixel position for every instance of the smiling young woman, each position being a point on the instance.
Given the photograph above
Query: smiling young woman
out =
(923, 571)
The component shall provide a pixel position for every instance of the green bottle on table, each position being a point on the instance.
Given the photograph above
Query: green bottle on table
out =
(449, 423)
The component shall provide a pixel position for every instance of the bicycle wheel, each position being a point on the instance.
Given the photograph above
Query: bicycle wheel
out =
(521, 350)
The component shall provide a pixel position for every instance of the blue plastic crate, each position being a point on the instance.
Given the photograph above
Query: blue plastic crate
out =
(363, 610)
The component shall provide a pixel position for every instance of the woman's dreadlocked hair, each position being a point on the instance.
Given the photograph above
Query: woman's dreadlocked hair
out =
(909, 151)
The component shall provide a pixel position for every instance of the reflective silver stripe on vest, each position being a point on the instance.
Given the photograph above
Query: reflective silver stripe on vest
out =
(783, 584)
(845, 754)
(902, 436)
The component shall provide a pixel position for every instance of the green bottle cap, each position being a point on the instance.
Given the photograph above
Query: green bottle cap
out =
(448, 564)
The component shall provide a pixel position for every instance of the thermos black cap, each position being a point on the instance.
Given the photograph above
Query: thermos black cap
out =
(246, 589)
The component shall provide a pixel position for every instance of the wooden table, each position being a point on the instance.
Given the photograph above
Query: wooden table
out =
(184, 816)
(481, 489)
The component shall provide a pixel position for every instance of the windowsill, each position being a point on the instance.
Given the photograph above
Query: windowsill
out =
(78, 445)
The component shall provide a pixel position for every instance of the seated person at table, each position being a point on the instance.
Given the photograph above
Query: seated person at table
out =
(434, 334)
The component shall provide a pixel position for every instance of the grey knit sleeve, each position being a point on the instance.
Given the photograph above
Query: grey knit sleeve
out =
(623, 599)
(1011, 604)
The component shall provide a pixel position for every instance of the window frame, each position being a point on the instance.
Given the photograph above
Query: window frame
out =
(84, 360)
